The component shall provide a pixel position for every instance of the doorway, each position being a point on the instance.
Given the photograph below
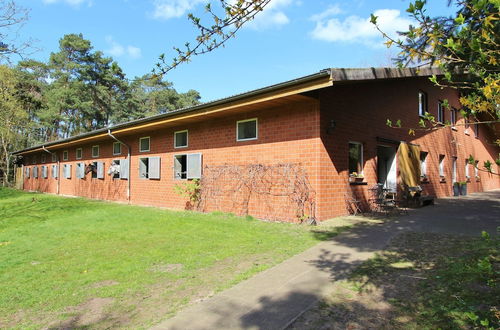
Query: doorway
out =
(386, 167)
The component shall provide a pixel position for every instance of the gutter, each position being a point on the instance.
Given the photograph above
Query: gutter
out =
(129, 163)
(58, 169)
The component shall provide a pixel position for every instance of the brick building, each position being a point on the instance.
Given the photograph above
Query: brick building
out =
(283, 152)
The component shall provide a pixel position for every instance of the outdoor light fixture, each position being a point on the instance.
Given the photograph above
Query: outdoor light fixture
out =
(330, 128)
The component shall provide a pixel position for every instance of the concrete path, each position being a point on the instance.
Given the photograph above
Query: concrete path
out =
(274, 298)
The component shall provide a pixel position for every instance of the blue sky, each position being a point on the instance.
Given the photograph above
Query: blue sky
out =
(291, 38)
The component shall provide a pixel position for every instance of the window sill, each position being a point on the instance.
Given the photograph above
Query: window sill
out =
(454, 128)
(360, 183)
(442, 180)
(467, 133)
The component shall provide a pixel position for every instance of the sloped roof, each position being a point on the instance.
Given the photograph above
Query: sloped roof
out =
(321, 79)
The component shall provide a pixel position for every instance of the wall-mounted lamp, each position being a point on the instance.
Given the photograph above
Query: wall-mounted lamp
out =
(331, 127)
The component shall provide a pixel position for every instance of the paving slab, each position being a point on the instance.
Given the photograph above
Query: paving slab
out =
(274, 298)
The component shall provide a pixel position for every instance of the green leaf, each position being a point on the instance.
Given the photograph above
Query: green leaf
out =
(373, 19)
(388, 123)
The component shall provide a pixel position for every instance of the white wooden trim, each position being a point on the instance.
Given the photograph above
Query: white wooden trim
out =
(149, 144)
(187, 139)
(256, 129)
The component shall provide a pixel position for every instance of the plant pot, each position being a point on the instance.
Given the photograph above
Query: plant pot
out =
(463, 189)
(456, 190)
(358, 179)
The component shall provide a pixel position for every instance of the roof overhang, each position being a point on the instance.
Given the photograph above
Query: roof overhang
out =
(274, 95)
(289, 91)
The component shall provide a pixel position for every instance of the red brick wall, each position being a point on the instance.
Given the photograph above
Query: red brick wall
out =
(360, 111)
(294, 134)
(286, 134)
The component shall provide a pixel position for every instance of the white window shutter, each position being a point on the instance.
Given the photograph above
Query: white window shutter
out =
(143, 170)
(27, 172)
(69, 170)
(194, 166)
(154, 167)
(100, 170)
(177, 168)
(44, 172)
(35, 172)
(124, 165)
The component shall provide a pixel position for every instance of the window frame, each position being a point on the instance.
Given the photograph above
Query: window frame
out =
(423, 106)
(423, 163)
(440, 112)
(453, 119)
(54, 157)
(65, 155)
(256, 129)
(467, 172)
(119, 153)
(441, 168)
(149, 143)
(98, 151)
(175, 139)
(81, 153)
(361, 161)
(187, 166)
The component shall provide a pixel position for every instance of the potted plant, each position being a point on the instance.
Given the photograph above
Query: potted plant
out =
(456, 188)
(355, 177)
(463, 188)
(478, 178)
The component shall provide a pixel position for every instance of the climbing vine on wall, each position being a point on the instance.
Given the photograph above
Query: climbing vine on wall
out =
(234, 188)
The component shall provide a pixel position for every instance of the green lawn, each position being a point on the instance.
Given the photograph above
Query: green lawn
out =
(72, 262)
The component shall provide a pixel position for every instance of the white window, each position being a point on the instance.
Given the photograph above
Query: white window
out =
(35, 172)
(67, 171)
(144, 144)
(440, 112)
(95, 151)
(181, 139)
(467, 175)
(79, 153)
(441, 165)
(422, 103)
(476, 169)
(114, 169)
(54, 157)
(187, 166)
(246, 130)
(355, 158)
(43, 158)
(27, 172)
(44, 172)
(65, 155)
(423, 163)
(55, 171)
(80, 170)
(149, 168)
(453, 117)
(97, 170)
(117, 148)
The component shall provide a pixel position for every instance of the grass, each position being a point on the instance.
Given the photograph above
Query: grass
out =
(72, 262)
(421, 281)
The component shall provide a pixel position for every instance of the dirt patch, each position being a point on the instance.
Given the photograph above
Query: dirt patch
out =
(103, 284)
(87, 314)
(166, 268)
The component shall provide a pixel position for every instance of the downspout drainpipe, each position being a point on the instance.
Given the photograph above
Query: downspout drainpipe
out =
(58, 169)
(129, 163)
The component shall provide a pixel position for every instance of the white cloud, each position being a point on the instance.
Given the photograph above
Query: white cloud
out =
(117, 50)
(165, 9)
(74, 3)
(358, 29)
(134, 52)
(330, 11)
(272, 15)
